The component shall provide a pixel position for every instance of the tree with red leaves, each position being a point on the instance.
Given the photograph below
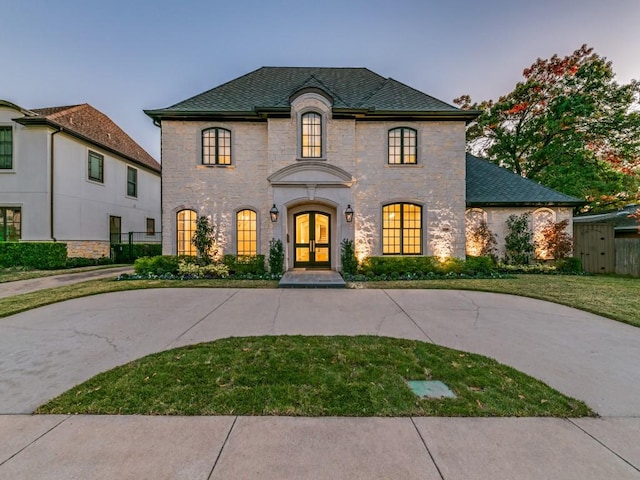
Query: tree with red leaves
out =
(568, 125)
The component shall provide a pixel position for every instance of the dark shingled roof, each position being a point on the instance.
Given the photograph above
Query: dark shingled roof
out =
(87, 122)
(271, 88)
(491, 185)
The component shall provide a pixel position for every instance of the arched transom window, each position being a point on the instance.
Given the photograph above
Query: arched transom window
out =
(246, 233)
(185, 228)
(402, 146)
(402, 229)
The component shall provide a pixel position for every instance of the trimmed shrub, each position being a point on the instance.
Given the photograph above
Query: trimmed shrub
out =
(415, 268)
(128, 253)
(158, 265)
(40, 255)
(480, 266)
(208, 270)
(276, 257)
(569, 265)
(245, 265)
(75, 262)
(348, 257)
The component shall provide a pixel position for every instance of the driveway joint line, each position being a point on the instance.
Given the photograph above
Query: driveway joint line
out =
(275, 315)
(408, 316)
(224, 444)
(35, 440)
(604, 445)
(426, 447)
(172, 342)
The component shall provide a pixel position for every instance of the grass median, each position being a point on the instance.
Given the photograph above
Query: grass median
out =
(313, 376)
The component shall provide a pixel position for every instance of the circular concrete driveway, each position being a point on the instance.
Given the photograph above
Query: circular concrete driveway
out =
(50, 349)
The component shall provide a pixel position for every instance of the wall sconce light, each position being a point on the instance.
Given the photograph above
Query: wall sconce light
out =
(273, 213)
(348, 214)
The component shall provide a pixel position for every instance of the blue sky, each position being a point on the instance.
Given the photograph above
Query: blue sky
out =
(126, 56)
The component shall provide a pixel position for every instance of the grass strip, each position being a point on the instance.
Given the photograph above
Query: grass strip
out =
(313, 376)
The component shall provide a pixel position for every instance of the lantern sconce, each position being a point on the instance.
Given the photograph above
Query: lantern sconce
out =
(273, 213)
(348, 214)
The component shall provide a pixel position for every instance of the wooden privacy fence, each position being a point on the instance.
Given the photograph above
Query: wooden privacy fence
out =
(628, 256)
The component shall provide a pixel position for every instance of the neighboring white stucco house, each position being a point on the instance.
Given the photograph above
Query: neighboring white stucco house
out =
(315, 144)
(69, 174)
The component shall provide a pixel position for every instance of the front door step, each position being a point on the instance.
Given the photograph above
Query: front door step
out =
(311, 279)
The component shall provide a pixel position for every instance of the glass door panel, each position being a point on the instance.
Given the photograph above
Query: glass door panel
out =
(313, 240)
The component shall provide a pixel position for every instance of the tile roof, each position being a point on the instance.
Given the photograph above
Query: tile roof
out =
(272, 87)
(489, 184)
(95, 126)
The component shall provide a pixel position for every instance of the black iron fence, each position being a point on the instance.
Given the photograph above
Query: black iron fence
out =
(126, 247)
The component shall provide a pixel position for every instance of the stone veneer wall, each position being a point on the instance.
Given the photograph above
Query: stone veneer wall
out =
(437, 182)
(497, 220)
(88, 248)
(262, 148)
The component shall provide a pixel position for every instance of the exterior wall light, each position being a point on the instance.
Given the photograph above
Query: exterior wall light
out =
(348, 214)
(273, 213)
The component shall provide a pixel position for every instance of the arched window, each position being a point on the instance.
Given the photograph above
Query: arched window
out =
(402, 229)
(311, 135)
(185, 228)
(216, 146)
(402, 146)
(542, 218)
(246, 233)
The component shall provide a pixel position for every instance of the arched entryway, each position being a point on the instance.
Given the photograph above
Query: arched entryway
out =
(312, 231)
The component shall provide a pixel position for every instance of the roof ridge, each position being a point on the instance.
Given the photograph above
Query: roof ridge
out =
(373, 92)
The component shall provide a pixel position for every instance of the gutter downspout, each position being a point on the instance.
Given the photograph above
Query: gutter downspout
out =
(52, 183)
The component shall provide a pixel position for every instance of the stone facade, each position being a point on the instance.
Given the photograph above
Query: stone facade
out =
(496, 218)
(88, 249)
(353, 169)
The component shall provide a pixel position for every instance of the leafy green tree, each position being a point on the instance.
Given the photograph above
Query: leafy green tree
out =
(203, 239)
(568, 125)
(518, 243)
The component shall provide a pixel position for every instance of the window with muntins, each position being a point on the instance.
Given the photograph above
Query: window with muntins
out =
(216, 146)
(96, 167)
(186, 227)
(402, 146)
(6, 148)
(10, 224)
(132, 182)
(311, 135)
(246, 233)
(402, 229)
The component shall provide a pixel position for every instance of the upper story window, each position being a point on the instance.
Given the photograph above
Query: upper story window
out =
(6, 148)
(10, 220)
(96, 167)
(402, 229)
(246, 233)
(402, 146)
(311, 135)
(132, 182)
(216, 146)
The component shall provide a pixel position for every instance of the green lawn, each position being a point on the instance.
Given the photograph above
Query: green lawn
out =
(313, 376)
(20, 273)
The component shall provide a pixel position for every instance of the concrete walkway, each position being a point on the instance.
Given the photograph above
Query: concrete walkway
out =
(48, 350)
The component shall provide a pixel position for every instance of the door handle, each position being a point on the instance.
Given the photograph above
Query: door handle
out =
(312, 244)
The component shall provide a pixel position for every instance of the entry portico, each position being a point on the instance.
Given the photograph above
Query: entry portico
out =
(314, 196)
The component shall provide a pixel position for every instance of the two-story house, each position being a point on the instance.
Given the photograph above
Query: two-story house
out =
(312, 156)
(70, 174)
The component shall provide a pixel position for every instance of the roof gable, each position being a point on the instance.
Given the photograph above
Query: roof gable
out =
(491, 185)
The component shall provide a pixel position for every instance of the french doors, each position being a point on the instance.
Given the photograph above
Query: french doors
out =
(313, 240)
